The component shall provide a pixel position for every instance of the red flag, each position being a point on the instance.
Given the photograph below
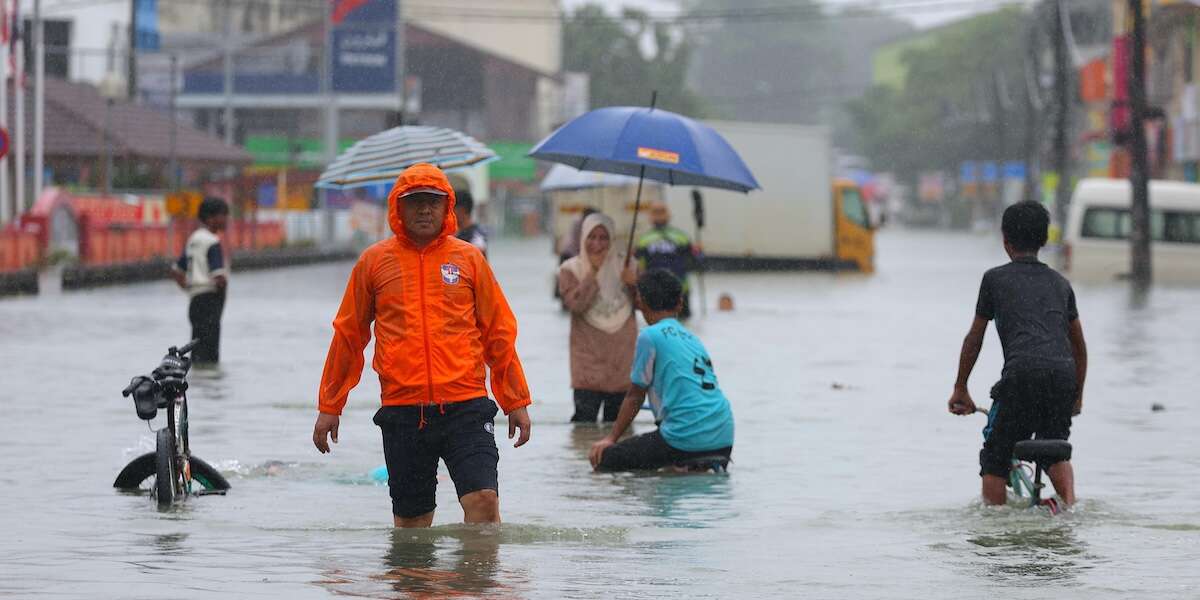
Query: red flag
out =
(4, 22)
(341, 8)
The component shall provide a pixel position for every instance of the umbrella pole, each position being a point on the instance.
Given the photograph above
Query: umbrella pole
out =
(637, 208)
(700, 275)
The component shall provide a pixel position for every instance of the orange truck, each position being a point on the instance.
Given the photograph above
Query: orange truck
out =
(802, 218)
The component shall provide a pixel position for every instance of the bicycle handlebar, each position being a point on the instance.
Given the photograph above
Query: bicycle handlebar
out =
(187, 347)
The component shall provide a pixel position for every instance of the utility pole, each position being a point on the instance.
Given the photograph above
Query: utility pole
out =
(1062, 99)
(227, 67)
(1139, 175)
(39, 101)
(1032, 142)
(131, 59)
(173, 162)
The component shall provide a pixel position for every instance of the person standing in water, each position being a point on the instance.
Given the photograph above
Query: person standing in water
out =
(1045, 357)
(669, 248)
(441, 322)
(596, 287)
(203, 273)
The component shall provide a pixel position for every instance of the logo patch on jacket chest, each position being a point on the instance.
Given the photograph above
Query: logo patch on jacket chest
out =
(450, 273)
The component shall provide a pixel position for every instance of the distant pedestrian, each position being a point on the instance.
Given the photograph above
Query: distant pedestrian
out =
(202, 271)
(668, 248)
(597, 288)
(468, 230)
(1045, 356)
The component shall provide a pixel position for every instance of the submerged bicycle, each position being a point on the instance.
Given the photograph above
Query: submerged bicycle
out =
(171, 472)
(1025, 478)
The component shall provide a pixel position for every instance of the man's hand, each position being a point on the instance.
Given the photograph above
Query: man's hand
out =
(519, 418)
(180, 279)
(220, 281)
(327, 425)
(1078, 405)
(961, 402)
(597, 451)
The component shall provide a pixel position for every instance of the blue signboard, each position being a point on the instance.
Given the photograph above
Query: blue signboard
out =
(967, 172)
(368, 12)
(364, 60)
(1014, 170)
(989, 172)
(146, 17)
(364, 46)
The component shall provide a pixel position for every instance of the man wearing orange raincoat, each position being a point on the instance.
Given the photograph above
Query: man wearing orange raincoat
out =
(440, 321)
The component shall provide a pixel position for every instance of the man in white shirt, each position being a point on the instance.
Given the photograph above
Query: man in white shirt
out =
(203, 273)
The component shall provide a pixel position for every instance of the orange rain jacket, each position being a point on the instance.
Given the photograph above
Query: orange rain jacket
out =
(439, 316)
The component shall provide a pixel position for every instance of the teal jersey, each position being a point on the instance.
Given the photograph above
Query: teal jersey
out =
(672, 365)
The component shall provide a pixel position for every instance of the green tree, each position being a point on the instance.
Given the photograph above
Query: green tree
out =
(962, 99)
(611, 51)
(784, 61)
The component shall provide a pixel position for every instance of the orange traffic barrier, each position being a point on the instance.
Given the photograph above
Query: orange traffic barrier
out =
(18, 250)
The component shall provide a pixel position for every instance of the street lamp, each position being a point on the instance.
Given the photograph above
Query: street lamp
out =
(111, 88)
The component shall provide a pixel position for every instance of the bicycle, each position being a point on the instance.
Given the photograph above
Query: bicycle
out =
(171, 466)
(1037, 452)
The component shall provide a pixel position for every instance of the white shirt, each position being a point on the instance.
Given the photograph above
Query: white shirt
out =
(202, 261)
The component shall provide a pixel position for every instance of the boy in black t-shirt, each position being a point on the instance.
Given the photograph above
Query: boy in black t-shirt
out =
(1045, 358)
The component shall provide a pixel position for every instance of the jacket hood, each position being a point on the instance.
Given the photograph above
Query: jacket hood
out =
(421, 175)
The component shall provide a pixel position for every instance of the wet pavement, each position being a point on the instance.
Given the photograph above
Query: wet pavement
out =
(850, 479)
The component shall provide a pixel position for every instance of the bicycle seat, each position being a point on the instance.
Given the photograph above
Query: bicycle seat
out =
(1045, 451)
(716, 463)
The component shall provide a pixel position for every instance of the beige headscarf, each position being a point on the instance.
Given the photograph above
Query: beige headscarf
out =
(612, 307)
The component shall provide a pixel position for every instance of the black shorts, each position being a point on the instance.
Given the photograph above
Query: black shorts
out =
(648, 451)
(1028, 404)
(459, 433)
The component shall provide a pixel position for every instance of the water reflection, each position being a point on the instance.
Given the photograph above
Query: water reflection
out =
(418, 567)
(443, 562)
(1029, 548)
(687, 500)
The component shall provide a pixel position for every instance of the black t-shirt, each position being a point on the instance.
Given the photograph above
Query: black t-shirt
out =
(1032, 305)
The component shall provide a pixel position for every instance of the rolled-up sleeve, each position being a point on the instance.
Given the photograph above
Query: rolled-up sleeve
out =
(498, 331)
(351, 334)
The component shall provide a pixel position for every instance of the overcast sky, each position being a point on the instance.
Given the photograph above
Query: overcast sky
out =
(923, 18)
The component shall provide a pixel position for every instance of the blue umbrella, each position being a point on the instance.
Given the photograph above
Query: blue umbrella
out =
(647, 143)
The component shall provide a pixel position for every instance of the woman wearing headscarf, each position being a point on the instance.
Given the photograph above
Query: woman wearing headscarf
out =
(597, 288)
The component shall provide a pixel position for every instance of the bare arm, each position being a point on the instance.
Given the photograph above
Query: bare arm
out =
(629, 410)
(960, 400)
(1079, 351)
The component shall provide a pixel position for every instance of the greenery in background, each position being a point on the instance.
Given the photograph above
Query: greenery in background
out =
(951, 107)
(800, 67)
(613, 52)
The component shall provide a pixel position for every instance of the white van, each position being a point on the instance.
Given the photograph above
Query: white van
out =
(1098, 247)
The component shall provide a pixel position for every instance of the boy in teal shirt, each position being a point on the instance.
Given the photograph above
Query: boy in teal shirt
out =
(672, 367)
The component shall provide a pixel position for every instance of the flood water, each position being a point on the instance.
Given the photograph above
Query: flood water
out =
(850, 478)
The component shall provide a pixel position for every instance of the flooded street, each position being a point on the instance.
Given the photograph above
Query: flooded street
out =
(850, 479)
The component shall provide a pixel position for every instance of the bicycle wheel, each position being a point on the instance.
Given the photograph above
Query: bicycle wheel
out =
(206, 475)
(164, 468)
(143, 468)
